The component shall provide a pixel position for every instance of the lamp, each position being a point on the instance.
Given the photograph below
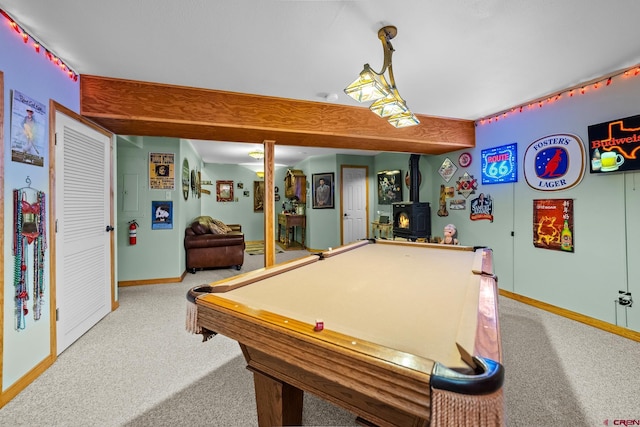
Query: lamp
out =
(260, 174)
(374, 86)
(257, 154)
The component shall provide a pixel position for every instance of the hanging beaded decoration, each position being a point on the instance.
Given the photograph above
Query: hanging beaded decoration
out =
(30, 233)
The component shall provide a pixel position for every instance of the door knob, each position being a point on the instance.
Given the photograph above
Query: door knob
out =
(109, 228)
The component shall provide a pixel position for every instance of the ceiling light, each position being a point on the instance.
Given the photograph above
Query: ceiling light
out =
(373, 86)
(257, 154)
(260, 174)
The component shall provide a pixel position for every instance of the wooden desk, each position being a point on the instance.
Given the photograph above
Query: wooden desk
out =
(289, 222)
(383, 368)
(384, 230)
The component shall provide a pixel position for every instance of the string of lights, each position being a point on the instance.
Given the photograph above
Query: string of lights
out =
(39, 47)
(570, 92)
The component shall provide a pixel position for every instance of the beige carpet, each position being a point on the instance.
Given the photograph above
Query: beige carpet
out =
(138, 368)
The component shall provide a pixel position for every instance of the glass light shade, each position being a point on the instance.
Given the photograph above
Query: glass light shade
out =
(260, 174)
(257, 154)
(367, 87)
(388, 106)
(403, 120)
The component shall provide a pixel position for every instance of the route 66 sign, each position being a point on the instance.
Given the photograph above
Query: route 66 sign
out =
(500, 164)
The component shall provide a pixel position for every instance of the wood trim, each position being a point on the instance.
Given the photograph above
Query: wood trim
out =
(2, 396)
(7, 395)
(269, 204)
(596, 323)
(128, 107)
(125, 283)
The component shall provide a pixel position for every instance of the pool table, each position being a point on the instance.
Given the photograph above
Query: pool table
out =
(399, 333)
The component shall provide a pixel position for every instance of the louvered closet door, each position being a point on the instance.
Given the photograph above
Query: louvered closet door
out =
(83, 255)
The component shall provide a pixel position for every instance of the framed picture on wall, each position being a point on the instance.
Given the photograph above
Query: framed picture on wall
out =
(224, 191)
(162, 214)
(322, 188)
(389, 187)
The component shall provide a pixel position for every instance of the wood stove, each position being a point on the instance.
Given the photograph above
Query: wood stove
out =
(412, 219)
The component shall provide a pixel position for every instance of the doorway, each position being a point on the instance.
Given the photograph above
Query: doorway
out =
(355, 202)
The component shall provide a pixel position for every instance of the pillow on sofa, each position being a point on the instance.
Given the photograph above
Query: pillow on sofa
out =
(221, 225)
(206, 224)
(199, 228)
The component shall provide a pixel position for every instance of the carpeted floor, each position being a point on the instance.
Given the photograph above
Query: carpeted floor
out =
(138, 367)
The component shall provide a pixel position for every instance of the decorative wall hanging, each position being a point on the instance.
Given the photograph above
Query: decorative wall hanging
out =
(162, 214)
(185, 179)
(466, 185)
(553, 224)
(224, 191)
(555, 162)
(442, 205)
(258, 196)
(482, 208)
(389, 187)
(447, 169)
(457, 204)
(29, 246)
(500, 164)
(614, 146)
(464, 160)
(323, 197)
(161, 171)
(28, 130)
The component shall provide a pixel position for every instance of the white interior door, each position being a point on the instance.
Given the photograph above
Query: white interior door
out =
(82, 241)
(354, 204)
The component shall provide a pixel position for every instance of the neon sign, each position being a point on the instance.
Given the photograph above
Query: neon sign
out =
(613, 146)
(500, 164)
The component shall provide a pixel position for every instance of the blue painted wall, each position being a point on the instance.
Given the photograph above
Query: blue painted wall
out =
(33, 75)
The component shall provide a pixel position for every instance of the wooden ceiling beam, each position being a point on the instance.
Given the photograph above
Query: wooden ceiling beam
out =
(127, 107)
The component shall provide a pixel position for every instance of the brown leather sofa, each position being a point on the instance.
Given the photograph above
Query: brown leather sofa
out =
(206, 249)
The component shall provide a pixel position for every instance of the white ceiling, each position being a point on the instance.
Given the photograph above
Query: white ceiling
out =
(453, 58)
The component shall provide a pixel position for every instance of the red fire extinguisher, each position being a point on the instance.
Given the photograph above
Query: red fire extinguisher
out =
(133, 227)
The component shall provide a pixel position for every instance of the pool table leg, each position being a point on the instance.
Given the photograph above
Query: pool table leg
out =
(278, 403)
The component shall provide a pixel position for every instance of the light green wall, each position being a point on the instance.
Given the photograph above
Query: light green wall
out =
(607, 243)
(158, 254)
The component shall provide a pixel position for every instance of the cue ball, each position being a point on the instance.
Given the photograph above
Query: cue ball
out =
(319, 325)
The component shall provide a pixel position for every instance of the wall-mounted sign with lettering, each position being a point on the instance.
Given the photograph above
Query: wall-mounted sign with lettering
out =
(614, 146)
(555, 162)
(500, 164)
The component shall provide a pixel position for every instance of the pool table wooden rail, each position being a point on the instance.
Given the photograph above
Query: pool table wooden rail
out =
(382, 385)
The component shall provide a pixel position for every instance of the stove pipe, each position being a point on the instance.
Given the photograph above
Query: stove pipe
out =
(414, 177)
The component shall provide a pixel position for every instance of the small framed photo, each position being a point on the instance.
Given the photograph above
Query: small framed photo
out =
(162, 214)
(323, 191)
(224, 191)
